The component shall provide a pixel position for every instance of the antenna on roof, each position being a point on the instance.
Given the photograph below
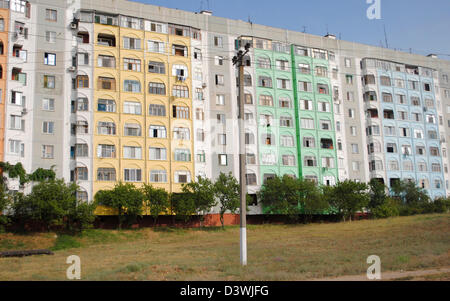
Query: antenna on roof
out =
(327, 30)
(207, 1)
(304, 29)
(250, 20)
(385, 36)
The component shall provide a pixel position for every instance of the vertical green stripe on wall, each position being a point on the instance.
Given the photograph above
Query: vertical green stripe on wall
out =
(297, 112)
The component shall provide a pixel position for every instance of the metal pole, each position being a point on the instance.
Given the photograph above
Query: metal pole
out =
(242, 169)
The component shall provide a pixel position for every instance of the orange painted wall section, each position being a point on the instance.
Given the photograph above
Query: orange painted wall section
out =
(4, 15)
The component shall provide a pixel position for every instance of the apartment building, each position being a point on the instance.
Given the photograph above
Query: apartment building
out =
(107, 91)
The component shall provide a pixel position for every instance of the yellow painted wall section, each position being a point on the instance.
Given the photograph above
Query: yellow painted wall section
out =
(119, 163)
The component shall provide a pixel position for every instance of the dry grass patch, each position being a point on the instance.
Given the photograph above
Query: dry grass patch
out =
(275, 252)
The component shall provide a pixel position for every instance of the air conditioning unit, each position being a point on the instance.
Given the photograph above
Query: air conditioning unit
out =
(181, 78)
(71, 69)
(204, 85)
(24, 111)
(73, 25)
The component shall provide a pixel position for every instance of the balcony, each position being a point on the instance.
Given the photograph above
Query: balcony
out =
(326, 144)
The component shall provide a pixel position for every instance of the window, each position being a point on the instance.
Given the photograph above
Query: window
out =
(106, 174)
(132, 86)
(156, 46)
(106, 40)
(307, 123)
(106, 151)
(48, 151)
(353, 130)
(182, 177)
(16, 147)
(218, 41)
(355, 148)
(309, 142)
(322, 89)
(156, 67)
(132, 152)
(266, 100)
(249, 139)
(132, 64)
(106, 61)
(310, 161)
(264, 63)
(283, 83)
(106, 128)
(158, 153)
(50, 37)
(16, 123)
(321, 71)
(304, 68)
(50, 15)
(49, 81)
(223, 160)
(179, 50)
(222, 139)
(250, 159)
(265, 82)
(157, 88)
(131, 43)
(157, 131)
(413, 85)
(285, 103)
(132, 175)
(181, 134)
(132, 129)
(304, 86)
(349, 79)
(219, 79)
(282, 65)
(327, 162)
(48, 127)
(106, 105)
(82, 81)
(157, 110)
(269, 159)
(324, 106)
(434, 151)
(348, 62)
(220, 100)
(385, 81)
(106, 83)
(288, 160)
(2, 24)
(287, 141)
(158, 176)
(132, 108)
(286, 121)
(180, 91)
(48, 104)
(17, 98)
(325, 125)
(180, 112)
(50, 59)
(130, 22)
(218, 60)
(306, 104)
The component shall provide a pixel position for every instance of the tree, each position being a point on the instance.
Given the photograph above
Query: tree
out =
(125, 198)
(410, 194)
(227, 191)
(377, 193)
(157, 200)
(53, 203)
(5, 204)
(182, 205)
(347, 197)
(310, 198)
(281, 196)
(202, 195)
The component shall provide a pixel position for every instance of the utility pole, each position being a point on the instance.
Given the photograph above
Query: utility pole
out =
(238, 61)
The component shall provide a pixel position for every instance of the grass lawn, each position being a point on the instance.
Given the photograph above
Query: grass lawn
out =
(275, 252)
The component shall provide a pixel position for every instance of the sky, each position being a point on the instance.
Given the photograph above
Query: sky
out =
(420, 25)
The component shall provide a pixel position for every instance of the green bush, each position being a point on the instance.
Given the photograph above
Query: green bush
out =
(389, 208)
